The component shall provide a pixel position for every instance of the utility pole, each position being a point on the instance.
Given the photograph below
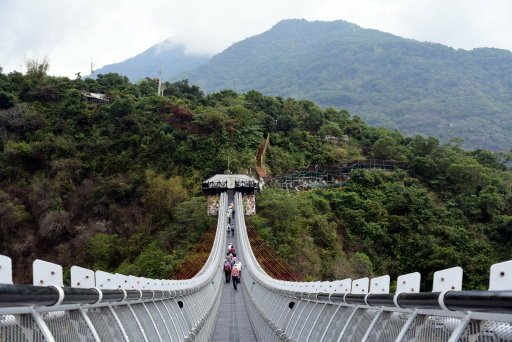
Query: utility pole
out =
(92, 68)
(160, 91)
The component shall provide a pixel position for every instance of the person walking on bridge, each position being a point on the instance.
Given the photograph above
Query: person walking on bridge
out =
(227, 270)
(230, 211)
(232, 250)
(238, 265)
(235, 275)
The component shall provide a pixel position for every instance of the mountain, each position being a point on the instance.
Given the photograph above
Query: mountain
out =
(416, 87)
(171, 57)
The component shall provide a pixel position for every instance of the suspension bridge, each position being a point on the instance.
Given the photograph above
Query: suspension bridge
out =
(100, 306)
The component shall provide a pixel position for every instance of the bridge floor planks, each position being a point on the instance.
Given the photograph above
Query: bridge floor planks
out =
(233, 323)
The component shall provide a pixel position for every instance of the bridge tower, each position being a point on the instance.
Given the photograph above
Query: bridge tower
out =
(246, 185)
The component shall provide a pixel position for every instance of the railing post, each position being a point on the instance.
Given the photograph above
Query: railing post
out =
(316, 320)
(42, 326)
(152, 320)
(457, 333)
(5, 270)
(89, 324)
(372, 324)
(330, 322)
(406, 326)
(352, 314)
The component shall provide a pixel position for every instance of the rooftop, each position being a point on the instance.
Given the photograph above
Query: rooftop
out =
(229, 182)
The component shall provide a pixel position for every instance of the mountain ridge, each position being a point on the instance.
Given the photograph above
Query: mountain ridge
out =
(417, 87)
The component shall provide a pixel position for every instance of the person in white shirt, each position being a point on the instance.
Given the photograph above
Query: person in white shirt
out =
(238, 265)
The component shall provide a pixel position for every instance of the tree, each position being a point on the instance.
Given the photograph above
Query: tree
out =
(122, 106)
(362, 265)
(385, 148)
(423, 146)
(330, 128)
(183, 89)
(465, 177)
(112, 81)
(104, 250)
(56, 226)
(7, 100)
(37, 69)
(491, 202)
(490, 159)
(163, 195)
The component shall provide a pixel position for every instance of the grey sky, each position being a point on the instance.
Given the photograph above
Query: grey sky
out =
(71, 32)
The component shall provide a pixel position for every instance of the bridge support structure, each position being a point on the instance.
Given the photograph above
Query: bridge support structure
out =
(100, 306)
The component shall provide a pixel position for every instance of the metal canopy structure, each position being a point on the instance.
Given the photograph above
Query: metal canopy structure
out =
(224, 182)
(324, 176)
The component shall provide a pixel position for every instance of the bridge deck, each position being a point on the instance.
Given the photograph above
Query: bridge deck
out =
(233, 323)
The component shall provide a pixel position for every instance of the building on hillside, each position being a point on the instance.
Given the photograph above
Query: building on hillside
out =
(96, 98)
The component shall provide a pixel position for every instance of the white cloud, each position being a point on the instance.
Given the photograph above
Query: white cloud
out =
(73, 32)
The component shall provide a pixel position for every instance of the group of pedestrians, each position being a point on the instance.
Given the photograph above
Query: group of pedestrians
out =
(231, 216)
(232, 267)
(231, 228)
(231, 211)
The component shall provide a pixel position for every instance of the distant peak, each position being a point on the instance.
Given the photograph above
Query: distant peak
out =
(168, 44)
(490, 50)
(291, 21)
(303, 22)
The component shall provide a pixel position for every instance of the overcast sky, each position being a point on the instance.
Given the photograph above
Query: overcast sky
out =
(72, 32)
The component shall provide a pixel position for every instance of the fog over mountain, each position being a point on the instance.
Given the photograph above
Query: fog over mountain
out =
(169, 57)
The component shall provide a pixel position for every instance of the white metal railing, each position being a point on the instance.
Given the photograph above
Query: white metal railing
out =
(364, 310)
(112, 307)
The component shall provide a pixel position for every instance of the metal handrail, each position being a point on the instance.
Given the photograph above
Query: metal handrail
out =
(297, 310)
(164, 310)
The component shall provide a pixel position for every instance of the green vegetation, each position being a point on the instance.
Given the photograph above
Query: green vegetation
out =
(389, 223)
(451, 207)
(116, 186)
(416, 87)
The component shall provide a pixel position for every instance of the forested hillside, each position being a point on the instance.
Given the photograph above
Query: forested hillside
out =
(116, 185)
(390, 81)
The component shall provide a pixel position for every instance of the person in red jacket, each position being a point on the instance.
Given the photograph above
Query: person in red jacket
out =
(227, 270)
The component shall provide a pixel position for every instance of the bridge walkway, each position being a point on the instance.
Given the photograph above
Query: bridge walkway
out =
(233, 323)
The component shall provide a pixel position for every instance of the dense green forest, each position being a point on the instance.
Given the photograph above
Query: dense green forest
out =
(116, 186)
(416, 87)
